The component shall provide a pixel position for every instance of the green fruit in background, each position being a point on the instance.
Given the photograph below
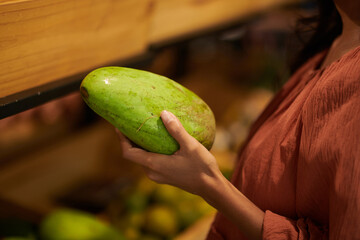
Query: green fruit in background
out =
(18, 238)
(132, 101)
(150, 237)
(187, 213)
(204, 208)
(132, 233)
(135, 220)
(190, 208)
(161, 220)
(136, 202)
(146, 186)
(167, 194)
(66, 224)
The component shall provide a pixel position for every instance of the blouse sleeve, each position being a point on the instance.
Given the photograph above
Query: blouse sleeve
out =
(340, 149)
(277, 227)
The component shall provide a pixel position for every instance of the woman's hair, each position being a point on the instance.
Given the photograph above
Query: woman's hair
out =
(325, 26)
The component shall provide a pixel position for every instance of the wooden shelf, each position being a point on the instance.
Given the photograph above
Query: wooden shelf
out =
(46, 40)
(34, 180)
(44, 43)
(176, 18)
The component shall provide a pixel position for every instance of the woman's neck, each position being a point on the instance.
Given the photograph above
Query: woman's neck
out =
(350, 35)
(347, 40)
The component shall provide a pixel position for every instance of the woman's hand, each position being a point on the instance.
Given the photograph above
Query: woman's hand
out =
(192, 168)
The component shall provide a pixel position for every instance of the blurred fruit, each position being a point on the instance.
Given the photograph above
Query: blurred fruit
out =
(136, 201)
(158, 211)
(146, 186)
(166, 194)
(190, 208)
(18, 238)
(186, 196)
(150, 237)
(161, 220)
(135, 219)
(204, 208)
(238, 118)
(132, 233)
(66, 224)
(222, 140)
(187, 213)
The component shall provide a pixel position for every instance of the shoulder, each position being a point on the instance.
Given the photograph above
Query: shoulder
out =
(333, 104)
(338, 84)
(345, 71)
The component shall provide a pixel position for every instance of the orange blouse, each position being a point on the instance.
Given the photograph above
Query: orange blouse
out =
(301, 162)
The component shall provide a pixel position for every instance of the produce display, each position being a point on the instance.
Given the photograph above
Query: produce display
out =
(143, 211)
(132, 101)
(157, 211)
(63, 224)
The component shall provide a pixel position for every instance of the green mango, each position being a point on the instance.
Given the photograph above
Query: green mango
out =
(69, 224)
(132, 101)
(18, 238)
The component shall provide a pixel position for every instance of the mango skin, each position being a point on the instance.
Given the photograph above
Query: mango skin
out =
(132, 101)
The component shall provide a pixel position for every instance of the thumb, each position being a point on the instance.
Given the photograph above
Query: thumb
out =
(176, 129)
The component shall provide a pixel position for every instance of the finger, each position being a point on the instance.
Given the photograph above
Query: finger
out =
(153, 175)
(138, 155)
(125, 143)
(128, 149)
(176, 129)
(152, 161)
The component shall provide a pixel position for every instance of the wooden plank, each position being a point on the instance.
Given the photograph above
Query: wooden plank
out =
(11, 210)
(46, 40)
(35, 179)
(174, 18)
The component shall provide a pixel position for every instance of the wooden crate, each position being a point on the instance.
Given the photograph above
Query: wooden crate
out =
(46, 40)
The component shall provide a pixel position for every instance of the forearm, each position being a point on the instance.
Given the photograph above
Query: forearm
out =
(194, 169)
(228, 200)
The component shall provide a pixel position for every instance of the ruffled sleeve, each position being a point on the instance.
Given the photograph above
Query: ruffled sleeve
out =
(278, 227)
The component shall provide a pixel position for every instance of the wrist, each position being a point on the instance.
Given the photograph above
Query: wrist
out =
(227, 199)
(214, 186)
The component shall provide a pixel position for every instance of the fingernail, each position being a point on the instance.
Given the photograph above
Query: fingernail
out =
(166, 116)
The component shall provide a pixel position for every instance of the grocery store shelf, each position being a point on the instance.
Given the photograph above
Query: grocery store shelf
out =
(43, 41)
(35, 96)
(46, 47)
(35, 179)
(9, 209)
(174, 20)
